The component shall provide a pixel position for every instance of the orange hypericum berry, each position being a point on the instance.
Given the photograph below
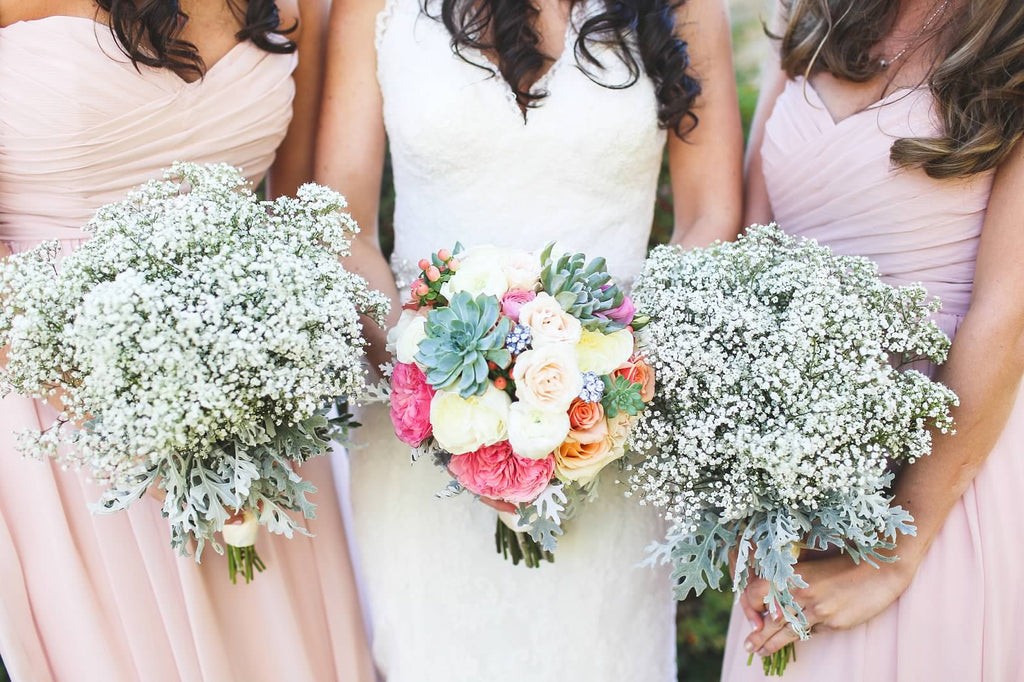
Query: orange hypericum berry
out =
(454, 264)
(424, 264)
(445, 255)
(433, 274)
(501, 383)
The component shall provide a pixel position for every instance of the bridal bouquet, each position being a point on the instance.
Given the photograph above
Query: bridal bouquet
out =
(518, 374)
(197, 338)
(779, 411)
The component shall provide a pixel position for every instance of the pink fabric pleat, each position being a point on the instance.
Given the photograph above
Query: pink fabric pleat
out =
(962, 618)
(103, 598)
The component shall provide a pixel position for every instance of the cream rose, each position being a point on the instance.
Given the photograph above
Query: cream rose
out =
(480, 272)
(604, 353)
(463, 425)
(522, 269)
(535, 433)
(549, 323)
(548, 377)
(404, 338)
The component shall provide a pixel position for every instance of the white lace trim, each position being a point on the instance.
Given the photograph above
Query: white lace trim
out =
(381, 27)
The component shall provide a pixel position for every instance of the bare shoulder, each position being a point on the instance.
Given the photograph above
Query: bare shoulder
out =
(13, 11)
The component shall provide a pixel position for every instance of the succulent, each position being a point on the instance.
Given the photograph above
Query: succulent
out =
(621, 395)
(461, 339)
(584, 290)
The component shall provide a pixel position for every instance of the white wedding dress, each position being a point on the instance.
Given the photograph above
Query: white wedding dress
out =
(444, 606)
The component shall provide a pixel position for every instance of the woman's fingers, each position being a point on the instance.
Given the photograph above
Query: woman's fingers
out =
(752, 612)
(500, 505)
(787, 635)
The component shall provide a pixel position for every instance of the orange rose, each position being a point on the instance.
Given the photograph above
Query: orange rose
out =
(638, 371)
(587, 422)
(581, 462)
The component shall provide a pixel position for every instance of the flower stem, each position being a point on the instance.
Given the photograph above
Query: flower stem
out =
(775, 665)
(519, 547)
(243, 560)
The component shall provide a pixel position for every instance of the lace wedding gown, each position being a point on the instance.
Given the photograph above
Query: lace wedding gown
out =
(582, 169)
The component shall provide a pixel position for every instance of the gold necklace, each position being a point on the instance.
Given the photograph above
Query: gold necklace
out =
(886, 63)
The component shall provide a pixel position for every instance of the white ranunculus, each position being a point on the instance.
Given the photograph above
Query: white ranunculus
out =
(548, 378)
(535, 433)
(548, 322)
(464, 425)
(604, 353)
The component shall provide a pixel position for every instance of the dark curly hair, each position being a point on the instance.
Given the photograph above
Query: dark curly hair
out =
(642, 33)
(148, 32)
(977, 78)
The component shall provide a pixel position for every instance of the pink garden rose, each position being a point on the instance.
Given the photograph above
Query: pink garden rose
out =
(623, 314)
(410, 404)
(496, 472)
(515, 299)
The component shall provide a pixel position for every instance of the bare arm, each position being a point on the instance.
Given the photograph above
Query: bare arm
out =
(351, 142)
(294, 163)
(985, 367)
(706, 165)
(757, 208)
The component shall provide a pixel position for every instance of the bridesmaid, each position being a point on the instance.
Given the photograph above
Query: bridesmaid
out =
(96, 97)
(892, 130)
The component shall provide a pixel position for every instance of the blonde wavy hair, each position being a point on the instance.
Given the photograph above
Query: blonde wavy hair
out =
(977, 79)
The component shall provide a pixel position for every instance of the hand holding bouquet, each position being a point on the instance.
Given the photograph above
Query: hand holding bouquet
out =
(779, 411)
(198, 336)
(519, 375)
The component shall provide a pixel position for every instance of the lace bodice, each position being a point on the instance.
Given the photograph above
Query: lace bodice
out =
(582, 167)
(582, 170)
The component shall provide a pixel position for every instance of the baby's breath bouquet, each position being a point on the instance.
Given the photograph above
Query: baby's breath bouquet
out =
(783, 404)
(197, 338)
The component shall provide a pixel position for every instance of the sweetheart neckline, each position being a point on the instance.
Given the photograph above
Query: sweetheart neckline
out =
(806, 85)
(226, 57)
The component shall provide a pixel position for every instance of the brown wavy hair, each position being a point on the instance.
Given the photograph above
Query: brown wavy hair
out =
(148, 31)
(977, 78)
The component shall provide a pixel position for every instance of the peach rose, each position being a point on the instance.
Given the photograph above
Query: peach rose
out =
(582, 462)
(587, 422)
(548, 378)
(638, 371)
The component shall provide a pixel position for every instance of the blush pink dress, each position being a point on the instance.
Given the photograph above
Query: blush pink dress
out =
(962, 618)
(103, 598)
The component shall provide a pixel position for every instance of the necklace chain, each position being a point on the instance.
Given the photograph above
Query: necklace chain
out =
(886, 63)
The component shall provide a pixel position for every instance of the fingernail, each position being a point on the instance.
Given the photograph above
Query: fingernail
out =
(754, 625)
(749, 646)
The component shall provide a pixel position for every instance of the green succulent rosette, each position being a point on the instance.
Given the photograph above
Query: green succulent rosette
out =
(461, 340)
(583, 289)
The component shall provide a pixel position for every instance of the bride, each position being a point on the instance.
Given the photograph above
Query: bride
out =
(513, 123)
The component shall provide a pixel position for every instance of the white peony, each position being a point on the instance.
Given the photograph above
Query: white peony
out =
(604, 353)
(480, 272)
(404, 338)
(535, 433)
(464, 425)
